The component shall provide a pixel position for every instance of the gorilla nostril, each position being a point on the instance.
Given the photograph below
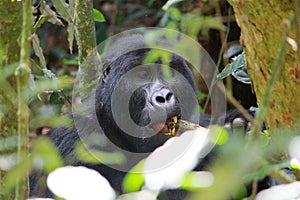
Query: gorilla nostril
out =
(160, 99)
(164, 99)
(169, 96)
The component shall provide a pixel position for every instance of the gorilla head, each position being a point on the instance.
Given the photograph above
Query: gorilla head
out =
(135, 98)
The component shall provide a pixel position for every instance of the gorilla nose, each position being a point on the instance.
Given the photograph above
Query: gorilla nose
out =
(163, 98)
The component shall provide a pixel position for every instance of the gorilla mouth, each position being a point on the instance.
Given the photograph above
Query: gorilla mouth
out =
(169, 128)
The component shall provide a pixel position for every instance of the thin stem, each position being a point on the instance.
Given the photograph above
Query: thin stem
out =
(22, 75)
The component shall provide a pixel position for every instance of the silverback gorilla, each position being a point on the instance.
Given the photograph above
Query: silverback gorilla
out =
(133, 100)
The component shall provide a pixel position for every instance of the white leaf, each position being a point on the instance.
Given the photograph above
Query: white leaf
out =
(78, 183)
(281, 192)
(165, 168)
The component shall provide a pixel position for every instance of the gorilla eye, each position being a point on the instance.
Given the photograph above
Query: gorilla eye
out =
(106, 72)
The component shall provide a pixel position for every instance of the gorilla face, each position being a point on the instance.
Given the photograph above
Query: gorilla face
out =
(140, 99)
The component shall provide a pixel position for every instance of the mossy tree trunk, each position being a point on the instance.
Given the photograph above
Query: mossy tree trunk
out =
(10, 30)
(15, 33)
(86, 40)
(263, 25)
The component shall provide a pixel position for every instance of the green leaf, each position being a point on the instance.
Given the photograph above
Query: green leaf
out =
(45, 155)
(74, 61)
(98, 16)
(238, 63)
(71, 36)
(63, 9)
(242, 75)
(265, 171)
(218, 134)
(38, 50)
(16, 174)
(196, 180)
(134, 179)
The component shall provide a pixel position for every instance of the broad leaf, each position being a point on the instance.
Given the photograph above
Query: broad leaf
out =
(98, 16)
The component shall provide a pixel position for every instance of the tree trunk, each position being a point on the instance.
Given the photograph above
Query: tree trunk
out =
(10, 30)
(86, 40)
(13, 108)
(263, 25)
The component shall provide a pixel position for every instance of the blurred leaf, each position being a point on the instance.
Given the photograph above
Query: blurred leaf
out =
(143, 194)
(71, 33)
(38, 50)
(265, 171)
(192, 24)
(281, 192)
(169, 3)
(74, 61)
(19, 173)
(8, 143)
(45, 155)
(51, 121)
(241, 193)
(196, 180)
(57, 99)
(199, 109)
(201, 95)
(134, 179)
(50, 85)
(98, 16)
(63, 9)
(175, 14)
(9, 70)
(218, 134)
(95, 156)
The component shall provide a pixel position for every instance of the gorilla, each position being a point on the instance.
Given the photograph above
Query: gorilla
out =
(133, 102)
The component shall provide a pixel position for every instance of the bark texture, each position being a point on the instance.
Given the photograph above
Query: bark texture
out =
(10, 31)
(263, 23)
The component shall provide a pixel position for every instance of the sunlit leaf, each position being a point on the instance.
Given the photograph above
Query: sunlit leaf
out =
(71, 62)
(98, 16)
(196, 180)
(134, 179)
(175, 14)
(218, 134)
